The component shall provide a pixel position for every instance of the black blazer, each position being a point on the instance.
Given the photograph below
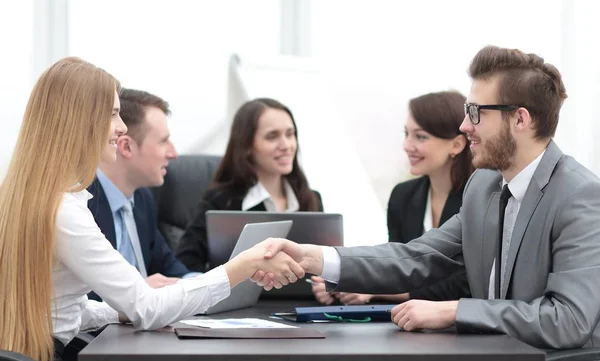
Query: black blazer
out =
(193, 246)
(158, 257)
(406, 211)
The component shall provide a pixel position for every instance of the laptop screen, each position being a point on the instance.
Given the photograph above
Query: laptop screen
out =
(224, 228)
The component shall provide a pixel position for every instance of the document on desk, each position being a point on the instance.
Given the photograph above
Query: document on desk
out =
(236, 323)
(243, 328)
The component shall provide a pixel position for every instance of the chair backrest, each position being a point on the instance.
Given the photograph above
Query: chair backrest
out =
(13, 356)
(187, 178)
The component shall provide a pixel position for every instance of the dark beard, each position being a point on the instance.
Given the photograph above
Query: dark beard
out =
(498, 152)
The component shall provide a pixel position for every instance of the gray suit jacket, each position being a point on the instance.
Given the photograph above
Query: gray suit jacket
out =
(552, 279)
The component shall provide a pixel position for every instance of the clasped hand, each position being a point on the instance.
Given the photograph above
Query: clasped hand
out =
(281, 269)
(308, 257)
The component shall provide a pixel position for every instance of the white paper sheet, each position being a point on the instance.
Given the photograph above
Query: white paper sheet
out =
(236, 323)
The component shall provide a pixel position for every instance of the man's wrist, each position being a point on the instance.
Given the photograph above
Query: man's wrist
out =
(451, 311)
(313, 256)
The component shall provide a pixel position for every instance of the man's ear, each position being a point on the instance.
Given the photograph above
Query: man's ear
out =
(523, 119)
(124, 146)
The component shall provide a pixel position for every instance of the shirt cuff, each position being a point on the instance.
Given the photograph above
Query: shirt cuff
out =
(216, 280)
(191, 275)
(331, 264)
(96, 315)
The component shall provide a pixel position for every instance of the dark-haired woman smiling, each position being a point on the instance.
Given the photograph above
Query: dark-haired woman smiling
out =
(259, 172)
(439, 153)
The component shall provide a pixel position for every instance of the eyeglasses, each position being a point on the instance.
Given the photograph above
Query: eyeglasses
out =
(474, 110)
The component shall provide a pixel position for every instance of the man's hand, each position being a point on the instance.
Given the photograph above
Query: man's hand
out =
(159, 281)
(320, 292)
(354, 298)
(415, 315)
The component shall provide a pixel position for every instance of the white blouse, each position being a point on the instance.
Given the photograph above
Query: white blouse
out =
(259, 194)
(85, 260)
(428, 219)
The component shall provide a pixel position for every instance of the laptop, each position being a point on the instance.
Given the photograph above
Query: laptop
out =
(246, 294)
(224, 227)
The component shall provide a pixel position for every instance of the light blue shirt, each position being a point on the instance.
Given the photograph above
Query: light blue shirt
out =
(116, 200)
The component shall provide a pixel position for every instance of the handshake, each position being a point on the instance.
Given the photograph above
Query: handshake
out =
(277, 262)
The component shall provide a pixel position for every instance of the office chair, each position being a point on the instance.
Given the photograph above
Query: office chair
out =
(77, 344)
(578, 354)
(13, 356)
(187, 178)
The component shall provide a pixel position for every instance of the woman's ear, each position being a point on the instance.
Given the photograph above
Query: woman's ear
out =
(458, 145)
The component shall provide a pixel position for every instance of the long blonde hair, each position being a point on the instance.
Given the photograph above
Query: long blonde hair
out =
(64, 131)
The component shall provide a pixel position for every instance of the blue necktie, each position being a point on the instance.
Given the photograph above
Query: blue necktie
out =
(130, 242)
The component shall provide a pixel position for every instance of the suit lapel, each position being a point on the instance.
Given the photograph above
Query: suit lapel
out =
(452, 206)
(532, 197)
(102, 213)
(415, 211)
(528, 206)
(489, 241)
(258, 207)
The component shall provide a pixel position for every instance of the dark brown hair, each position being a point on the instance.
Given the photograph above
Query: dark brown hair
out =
(133, 111)
(236, 171)
(440, 114)
(524, 80)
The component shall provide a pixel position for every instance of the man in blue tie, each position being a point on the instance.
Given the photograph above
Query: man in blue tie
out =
(123, 208)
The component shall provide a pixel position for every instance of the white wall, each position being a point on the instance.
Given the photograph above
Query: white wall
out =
(178, 50)
(16, 42)
(579, 126)
(381, 53)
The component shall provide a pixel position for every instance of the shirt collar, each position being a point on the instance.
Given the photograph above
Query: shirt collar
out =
(116, 198)
(518, 185)
(258, 194)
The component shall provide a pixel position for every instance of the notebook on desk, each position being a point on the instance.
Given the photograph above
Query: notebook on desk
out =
(361, 313)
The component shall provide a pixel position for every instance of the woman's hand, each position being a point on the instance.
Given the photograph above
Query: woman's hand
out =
(320, 292)
(354, 298)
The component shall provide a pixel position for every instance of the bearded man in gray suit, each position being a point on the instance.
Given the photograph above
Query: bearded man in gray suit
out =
(546, 289)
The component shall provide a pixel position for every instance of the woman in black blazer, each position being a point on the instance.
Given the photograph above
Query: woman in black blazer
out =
(259, 172)
(439, 153)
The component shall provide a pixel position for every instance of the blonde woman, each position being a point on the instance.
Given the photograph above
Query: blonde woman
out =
(51, 250)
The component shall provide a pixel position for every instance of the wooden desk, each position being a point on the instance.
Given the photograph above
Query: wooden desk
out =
(347, 341)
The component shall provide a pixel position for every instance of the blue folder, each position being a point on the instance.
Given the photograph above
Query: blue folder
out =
(362, 313)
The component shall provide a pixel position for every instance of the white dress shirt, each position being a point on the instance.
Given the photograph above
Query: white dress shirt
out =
(259, 194)
(85, 260)
(518, 186)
